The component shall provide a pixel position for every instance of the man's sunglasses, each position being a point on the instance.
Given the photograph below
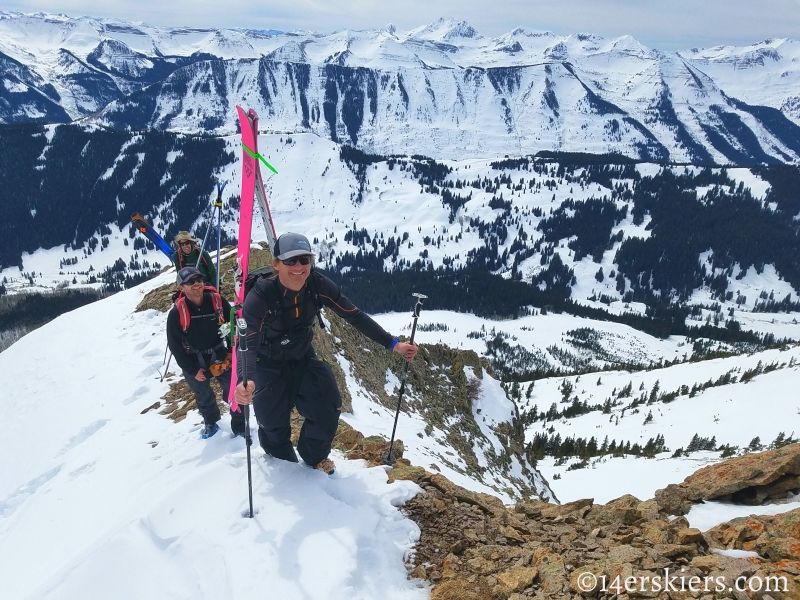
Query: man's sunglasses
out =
(303, 260)
(185, 243)
(193, 280)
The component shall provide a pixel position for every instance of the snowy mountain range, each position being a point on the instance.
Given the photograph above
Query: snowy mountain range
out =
(442, 90)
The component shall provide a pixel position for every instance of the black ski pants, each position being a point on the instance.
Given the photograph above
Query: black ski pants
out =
(308, 384)
(207, 400)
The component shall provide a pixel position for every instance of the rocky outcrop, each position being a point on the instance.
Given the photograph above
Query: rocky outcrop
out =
(474, 548)
(775, 537)
(750, 479)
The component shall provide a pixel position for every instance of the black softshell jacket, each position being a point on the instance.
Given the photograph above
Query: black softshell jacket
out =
(274, 312)
(203, 333)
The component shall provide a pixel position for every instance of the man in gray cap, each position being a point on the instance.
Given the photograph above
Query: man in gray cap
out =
(193, 336)
(282, 368)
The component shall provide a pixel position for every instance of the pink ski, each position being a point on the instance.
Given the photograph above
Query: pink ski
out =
(252, 188)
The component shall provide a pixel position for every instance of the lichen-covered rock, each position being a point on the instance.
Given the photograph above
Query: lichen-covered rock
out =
(673, 500)
(634, 542)
(624, 510)
(517, 578)
(749, 479)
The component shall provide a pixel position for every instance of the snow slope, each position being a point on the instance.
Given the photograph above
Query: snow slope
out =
(98, 500)
(734, 414)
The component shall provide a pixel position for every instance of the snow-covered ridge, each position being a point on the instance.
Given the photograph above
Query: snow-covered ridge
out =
(109, 484)
(436, 88)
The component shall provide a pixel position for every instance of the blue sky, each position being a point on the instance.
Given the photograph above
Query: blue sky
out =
(662, 24)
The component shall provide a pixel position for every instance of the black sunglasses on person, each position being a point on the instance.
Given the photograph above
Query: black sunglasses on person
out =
(303, 260)
(193, 280)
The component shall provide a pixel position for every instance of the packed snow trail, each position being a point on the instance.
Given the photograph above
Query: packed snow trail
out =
(100, 501)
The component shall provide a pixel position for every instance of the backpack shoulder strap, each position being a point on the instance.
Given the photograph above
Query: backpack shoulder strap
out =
(216, 302)
(313, 287)
(183, 312)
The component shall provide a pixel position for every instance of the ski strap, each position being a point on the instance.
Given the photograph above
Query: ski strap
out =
(259, 157)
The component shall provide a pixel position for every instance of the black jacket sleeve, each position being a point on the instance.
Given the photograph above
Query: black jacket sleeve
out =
(186, 361)
(332, 297)
(254, 312)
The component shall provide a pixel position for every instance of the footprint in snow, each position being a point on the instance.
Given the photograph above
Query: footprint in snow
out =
(150, 370)
(136, 395)
(23, 492)
(83, 435)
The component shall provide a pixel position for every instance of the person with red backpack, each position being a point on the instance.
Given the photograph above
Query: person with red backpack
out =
(283, 370)
(188, 255)
(200, 346)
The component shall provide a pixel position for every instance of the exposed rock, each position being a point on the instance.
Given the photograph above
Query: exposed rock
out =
(461, 590)
(179, 400)
(623, 510)
(571, 548)
(673, 500)
(576, 509)
(159, 299)
(517, 579)
(749, 479)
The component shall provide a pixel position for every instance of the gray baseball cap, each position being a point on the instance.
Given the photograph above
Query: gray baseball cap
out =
(292, 244)
(186, 273)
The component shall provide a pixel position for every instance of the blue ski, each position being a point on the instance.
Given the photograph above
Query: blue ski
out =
(147, 231)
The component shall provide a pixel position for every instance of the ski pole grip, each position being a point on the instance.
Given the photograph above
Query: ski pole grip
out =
(241, 335)
(418, 306)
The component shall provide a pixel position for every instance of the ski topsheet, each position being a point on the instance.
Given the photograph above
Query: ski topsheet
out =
(252, 188)
(260, 194)
(147, 231)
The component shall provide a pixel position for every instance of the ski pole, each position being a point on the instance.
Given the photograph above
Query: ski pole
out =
(241, 333)
(389, 459)
(167, 369)
(218, 205)
(205, 239)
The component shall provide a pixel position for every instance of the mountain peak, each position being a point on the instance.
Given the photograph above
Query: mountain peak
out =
(446, 29)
